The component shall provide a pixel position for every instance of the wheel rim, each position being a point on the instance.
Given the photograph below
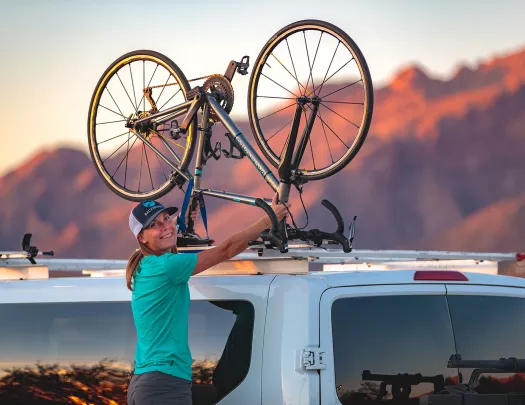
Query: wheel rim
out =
(125, 161)
(312, 59)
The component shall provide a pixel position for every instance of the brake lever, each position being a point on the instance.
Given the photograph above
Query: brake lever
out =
(273, 235)
(335, 212)
(317, 236)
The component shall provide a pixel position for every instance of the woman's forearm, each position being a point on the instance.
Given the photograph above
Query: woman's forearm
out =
(239, 242)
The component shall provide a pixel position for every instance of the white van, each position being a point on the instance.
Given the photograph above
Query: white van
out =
(274, 331)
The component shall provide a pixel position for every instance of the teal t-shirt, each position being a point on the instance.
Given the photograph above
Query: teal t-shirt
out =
(160, 303)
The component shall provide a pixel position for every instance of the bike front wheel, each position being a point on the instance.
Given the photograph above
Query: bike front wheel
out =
(311, 59)
(133, 87)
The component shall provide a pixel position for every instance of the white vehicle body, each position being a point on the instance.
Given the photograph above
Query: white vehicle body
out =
(302, 335)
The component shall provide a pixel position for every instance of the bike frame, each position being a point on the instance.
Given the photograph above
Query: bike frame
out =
(288, 164)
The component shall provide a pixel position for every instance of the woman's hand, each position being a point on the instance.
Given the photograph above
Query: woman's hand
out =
(279, 209)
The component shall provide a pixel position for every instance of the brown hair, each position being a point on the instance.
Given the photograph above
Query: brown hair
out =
(136, 257)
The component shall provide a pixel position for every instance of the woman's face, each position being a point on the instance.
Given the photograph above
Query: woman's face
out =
(161, 235)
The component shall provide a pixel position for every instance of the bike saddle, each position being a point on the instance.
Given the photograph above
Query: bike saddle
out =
(188, 240)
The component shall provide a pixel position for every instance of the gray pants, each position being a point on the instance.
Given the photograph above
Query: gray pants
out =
(156, 388)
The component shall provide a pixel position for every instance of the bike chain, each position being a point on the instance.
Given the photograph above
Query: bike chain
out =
(173, 84)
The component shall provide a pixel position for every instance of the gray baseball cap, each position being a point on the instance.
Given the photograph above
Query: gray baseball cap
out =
(144, 214)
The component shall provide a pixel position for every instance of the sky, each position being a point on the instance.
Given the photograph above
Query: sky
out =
(54, 51)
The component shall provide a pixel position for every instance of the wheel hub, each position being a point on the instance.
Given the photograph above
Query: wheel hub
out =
(145, 129)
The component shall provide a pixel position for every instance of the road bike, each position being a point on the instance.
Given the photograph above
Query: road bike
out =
(310, 104)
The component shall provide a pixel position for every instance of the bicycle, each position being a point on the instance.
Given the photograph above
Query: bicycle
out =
(174, 124)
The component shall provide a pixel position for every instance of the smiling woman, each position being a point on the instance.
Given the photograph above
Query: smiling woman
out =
(158, 277)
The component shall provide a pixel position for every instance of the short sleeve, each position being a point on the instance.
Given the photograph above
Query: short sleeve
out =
(180, 266)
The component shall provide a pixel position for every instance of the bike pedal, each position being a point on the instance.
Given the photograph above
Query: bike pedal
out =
(175, 130)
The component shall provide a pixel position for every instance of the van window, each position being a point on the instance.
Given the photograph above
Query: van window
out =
(489, 328)
(377, 338)
(220, 336)
(83, 352)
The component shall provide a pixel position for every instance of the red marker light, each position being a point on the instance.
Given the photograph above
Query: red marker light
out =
(520, 257)
(439, 275)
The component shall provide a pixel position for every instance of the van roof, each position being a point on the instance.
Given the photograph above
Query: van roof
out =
(337, 268)
(382, 277)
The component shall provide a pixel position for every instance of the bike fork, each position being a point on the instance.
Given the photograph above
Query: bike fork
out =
(290, 162)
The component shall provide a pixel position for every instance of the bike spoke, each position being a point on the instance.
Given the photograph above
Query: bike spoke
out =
(309, 65)
(315, 57)
(328, 126)
(143, 85)
(328, 143)
(114, 151)
(124, 158)
(342, 88)
(109, 122)
(134, 107)
(333, 74)
(343, 102)
(143, 98)
(293, 94)
(149, 169)
(160, 109)
(141, 161)
(158, 98)
(288, 123)
(335, 112)
(126, 169)
(309, 139)
(294, 77)
(118, 108)
(118, 136)
(133, 86)
(269, 115)
(160, 164)
(293, 65)
(109, 109)
(280, 98)
(329, 66)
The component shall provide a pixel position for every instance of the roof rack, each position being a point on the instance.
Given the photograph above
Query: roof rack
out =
(299, 259)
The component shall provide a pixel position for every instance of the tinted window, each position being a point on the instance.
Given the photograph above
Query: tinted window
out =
(220, 336)
(489, 328)
(50, 353)
(53, 352)
(390, 335)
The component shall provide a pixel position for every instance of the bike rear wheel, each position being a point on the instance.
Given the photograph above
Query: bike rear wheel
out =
(127, 164)
(306, 59)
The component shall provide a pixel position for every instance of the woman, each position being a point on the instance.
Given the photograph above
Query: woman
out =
(158, 277)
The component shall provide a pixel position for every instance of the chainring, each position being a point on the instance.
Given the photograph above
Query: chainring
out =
(218, 83)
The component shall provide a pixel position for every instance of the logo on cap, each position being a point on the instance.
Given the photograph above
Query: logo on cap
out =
(148, 204)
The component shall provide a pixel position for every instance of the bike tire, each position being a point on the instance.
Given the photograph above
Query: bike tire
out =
(365, 122)
(185, 159)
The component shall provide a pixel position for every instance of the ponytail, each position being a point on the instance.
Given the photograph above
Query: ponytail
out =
(135, 259)
(133, 263)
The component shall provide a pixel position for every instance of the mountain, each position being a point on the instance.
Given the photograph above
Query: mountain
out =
(442, 168)
(498, 227)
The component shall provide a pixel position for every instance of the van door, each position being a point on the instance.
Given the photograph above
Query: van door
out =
(225, 331)
(372, 334)
(489, 324)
